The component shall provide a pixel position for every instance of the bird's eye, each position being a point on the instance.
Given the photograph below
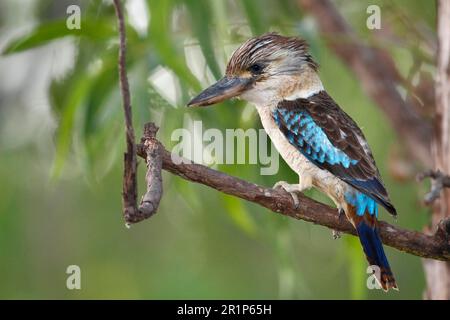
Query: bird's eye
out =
(256, 68)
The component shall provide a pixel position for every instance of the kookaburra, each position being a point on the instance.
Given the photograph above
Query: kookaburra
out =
(316, 138)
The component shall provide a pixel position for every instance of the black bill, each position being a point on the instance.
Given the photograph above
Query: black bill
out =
(223, 89)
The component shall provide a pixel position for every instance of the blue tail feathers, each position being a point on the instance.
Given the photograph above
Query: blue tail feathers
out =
(373, 248)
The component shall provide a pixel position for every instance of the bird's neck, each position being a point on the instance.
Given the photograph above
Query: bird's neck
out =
(302, 86)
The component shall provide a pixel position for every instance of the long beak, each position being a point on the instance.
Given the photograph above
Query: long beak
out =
(224, 89)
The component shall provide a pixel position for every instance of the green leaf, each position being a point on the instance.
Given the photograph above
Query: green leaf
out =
(105, 81)
(72, 101)
(200, 13)
(48, 31)
(254, 15)
(165, 47)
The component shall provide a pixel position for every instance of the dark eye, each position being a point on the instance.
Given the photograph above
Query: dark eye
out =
(256, 68)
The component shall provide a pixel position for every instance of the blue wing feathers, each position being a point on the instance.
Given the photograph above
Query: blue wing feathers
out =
(304, 132)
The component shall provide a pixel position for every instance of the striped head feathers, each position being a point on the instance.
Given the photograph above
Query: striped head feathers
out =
(270, 54)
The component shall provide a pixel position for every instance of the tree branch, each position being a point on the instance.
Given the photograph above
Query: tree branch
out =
(439, 182)
(438, 273)
(376, 71)
(152, 152)
(129, 187)
(150, 201)
(435, 246)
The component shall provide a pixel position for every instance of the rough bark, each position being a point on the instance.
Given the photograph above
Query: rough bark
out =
(129, 187)
(150, 201)
(438, 273)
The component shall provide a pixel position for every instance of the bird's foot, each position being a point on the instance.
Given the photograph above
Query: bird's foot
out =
(292, 189)
(341, 212)
(336, 234)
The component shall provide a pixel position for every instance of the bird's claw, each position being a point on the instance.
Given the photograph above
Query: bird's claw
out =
(295, 199)
(340, 213)
(336, 234)
(289, 189)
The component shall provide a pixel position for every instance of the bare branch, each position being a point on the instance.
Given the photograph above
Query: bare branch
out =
(150, 201)
(439, 182)
(279, 201)
(129, 187)
(376, 71)
(151, 148)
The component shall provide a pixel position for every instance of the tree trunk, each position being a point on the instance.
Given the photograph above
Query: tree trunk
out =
(438, 272)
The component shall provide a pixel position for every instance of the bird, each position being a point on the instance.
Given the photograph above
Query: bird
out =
(319, 141)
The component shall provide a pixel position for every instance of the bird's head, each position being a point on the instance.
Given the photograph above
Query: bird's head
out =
(264, 68)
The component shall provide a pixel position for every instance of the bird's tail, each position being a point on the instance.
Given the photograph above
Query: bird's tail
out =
(367, 229)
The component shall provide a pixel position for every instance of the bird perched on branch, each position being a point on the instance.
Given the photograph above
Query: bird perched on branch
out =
(316, 138)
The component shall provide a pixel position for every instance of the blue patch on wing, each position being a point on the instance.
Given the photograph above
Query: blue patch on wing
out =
(362, 203)
(310, 139)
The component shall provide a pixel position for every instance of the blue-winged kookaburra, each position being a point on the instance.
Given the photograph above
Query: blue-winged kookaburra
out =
(316, 138)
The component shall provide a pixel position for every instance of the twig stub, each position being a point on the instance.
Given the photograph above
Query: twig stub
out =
(439, 181)
(150, 149)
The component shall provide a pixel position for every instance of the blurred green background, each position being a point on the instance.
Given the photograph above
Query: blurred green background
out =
(62, 140)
